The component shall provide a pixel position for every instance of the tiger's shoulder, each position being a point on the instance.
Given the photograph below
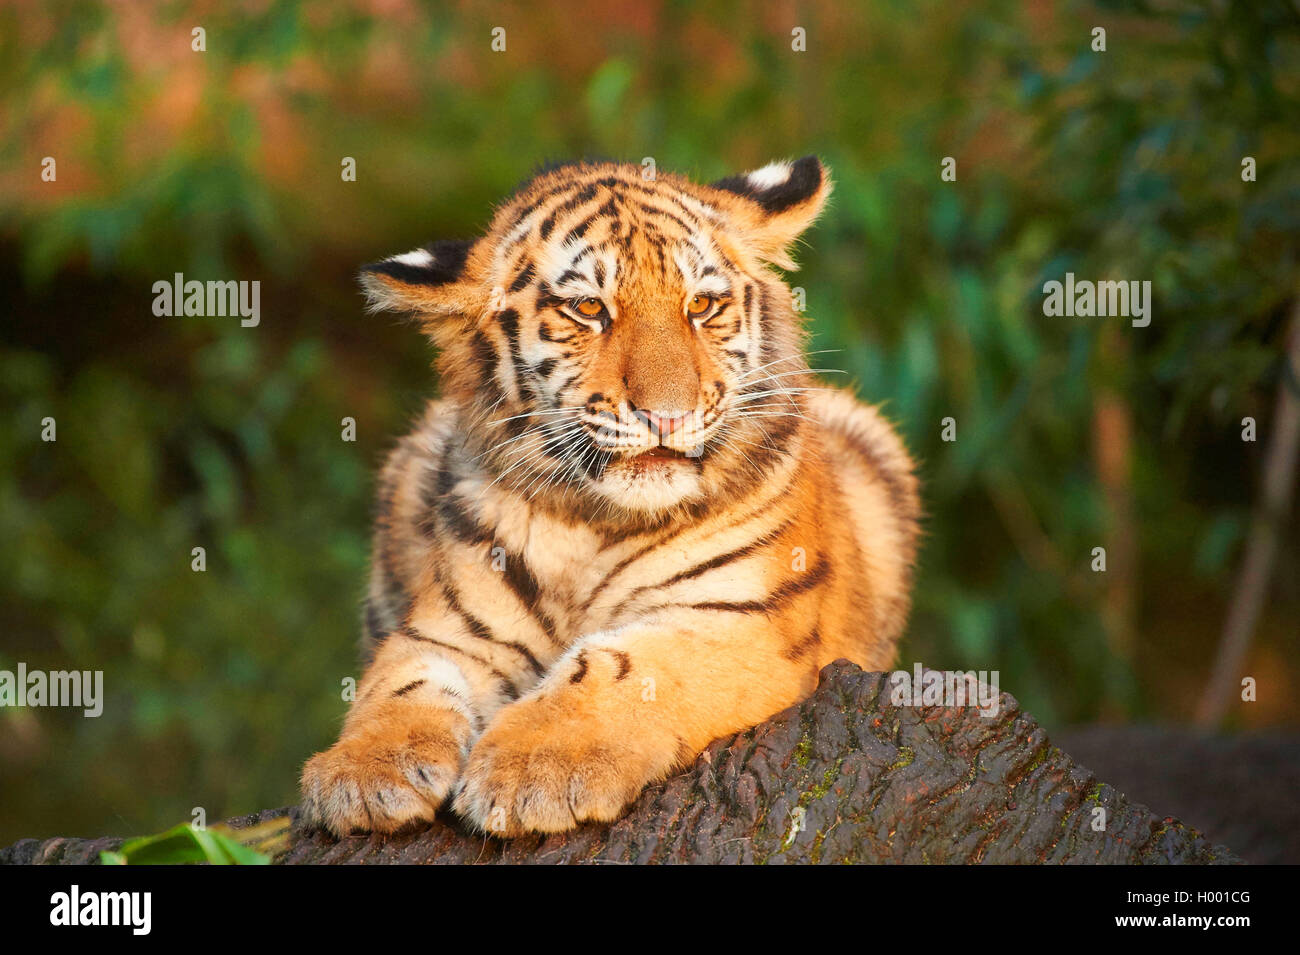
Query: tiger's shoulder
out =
(874, 478)
(867, 448)
(407, 495)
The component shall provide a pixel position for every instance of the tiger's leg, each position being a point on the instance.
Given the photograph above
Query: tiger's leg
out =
(625, 707)
(429, 690)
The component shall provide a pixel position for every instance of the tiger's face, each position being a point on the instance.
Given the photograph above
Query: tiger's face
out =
(622, 342)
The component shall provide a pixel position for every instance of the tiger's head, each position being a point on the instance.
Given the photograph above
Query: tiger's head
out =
(623, 343)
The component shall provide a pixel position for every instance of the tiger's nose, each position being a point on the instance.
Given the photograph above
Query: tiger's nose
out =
(662, 424)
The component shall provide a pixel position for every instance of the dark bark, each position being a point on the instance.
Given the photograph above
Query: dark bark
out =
(875, 783)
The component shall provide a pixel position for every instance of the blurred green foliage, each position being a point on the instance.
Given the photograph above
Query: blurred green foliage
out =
(183, 432)
(184, 844)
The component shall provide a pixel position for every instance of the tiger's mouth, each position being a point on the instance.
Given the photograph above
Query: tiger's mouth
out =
(660, 453)
(649, 479)
(654, 459)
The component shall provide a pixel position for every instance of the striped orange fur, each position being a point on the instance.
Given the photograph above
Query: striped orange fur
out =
(634, 521)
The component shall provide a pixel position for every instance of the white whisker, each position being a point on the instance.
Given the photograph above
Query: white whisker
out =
(535, 414)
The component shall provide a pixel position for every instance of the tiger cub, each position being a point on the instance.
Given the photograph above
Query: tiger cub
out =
(632, 524)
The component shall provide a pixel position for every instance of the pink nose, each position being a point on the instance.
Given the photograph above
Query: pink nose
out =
(660, 424)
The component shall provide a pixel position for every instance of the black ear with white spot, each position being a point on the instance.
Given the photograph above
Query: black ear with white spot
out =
(425, 280)
(784, 198)
(779, 185)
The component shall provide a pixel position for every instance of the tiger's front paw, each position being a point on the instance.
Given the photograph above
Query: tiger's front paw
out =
(395, 768)
(546, 765)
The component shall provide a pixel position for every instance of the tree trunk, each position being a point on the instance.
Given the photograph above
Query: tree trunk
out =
(844, 777)
(1224, 686)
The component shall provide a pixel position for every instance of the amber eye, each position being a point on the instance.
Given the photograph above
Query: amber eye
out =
(699, 305)
(589, 307)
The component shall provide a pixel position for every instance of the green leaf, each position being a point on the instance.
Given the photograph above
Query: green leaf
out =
(184, 844)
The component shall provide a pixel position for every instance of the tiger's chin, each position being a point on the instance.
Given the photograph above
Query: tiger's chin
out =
(652, 481)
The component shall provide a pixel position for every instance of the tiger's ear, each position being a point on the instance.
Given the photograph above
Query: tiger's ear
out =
(430, 280)
(783, 199)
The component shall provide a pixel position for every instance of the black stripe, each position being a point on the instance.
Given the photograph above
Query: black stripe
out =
(509, 320)
(714, 322)
(455, 515)
(556, 196)
(546, 298)
(548, 224)
(801, 647)
(585, 194)
(374, 626)
(746, 322)
(434, 483)
(579, 230)
(650, 210)
(624, 664)
(484, 354)
(481, 630)
(389, 584)
(545, 334)
(412, 634)
(721, 560)
(767, 345)
(581, 672)
(776, 599)
(525, 211)
(394, 593)
(772, 448)
(522, 581)
(414, 685)
(444, 509)
(888, 476)
(523, 278)
(626, 561)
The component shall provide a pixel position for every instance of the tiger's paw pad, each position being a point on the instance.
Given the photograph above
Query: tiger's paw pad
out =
(534, 778)
(381, 779)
